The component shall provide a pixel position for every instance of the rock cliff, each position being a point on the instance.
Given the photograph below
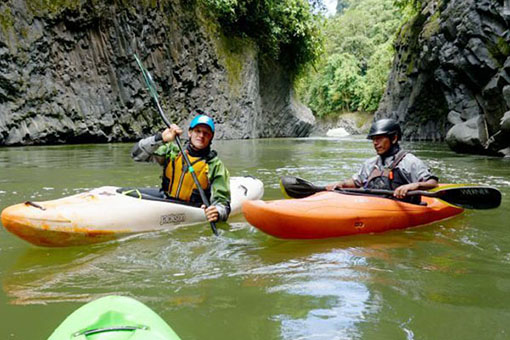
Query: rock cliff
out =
(451, 76)
(68, 74)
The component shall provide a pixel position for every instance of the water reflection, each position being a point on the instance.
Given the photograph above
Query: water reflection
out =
(312, 290)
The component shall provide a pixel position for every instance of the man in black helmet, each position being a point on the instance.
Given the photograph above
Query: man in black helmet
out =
(392, 168)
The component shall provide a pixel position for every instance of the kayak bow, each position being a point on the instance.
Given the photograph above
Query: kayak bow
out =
(114, 318)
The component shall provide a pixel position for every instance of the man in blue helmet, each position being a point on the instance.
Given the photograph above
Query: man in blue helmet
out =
(178, 183)
(392, 168)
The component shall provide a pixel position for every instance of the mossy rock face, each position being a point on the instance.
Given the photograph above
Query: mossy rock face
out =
(42, 8)
(234, 53)
(504, 47)
(6, 19)
(499, 51)
(432, 26)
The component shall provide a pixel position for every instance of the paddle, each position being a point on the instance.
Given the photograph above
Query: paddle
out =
(151, 87)
(463, 195)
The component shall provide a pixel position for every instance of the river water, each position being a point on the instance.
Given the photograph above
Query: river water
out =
(446, 280)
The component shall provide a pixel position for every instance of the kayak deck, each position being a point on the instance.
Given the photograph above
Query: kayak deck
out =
(330, 214)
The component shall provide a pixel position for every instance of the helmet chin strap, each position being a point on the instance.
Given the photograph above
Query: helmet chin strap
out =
(394, 149)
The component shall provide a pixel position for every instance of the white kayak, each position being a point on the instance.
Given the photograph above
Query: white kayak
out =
(106, 213)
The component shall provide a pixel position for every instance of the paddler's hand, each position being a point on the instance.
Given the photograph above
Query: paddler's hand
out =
(211, 213)
(170, 133)
(333, 186)
(402, 190)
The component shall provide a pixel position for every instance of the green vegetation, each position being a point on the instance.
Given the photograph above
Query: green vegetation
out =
(358, 54)
(404, 5)
(284, 30)
(341, 5)
(6, 19)
(42, 7)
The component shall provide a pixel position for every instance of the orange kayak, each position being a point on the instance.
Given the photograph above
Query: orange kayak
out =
(330, 214)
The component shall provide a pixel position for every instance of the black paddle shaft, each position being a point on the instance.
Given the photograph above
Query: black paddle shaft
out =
(465, 196)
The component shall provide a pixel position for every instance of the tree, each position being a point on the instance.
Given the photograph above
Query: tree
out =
(285, 30)
(358, 54)
(341, 5)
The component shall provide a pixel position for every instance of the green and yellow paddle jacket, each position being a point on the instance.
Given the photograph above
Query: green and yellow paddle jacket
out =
(177, 181)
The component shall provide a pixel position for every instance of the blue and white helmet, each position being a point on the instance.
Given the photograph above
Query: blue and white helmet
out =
(202, 119)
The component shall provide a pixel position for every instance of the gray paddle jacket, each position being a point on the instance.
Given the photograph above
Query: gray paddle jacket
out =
(411, 167)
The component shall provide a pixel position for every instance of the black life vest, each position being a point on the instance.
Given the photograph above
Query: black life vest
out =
(390, 178)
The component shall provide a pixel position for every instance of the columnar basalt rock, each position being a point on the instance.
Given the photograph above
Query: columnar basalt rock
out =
(451, 75)
(68, 74)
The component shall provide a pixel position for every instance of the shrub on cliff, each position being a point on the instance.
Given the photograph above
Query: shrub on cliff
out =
(285, 30)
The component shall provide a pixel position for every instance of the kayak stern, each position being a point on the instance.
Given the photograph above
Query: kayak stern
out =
(60, 233)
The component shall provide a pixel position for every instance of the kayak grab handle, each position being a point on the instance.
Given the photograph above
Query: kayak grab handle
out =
(35, 205)
(88, 332)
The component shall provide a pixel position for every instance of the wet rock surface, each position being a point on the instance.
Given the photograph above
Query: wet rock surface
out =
(451, 75)
(349, 123)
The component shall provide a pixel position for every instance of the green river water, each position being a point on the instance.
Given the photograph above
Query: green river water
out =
(448, 280)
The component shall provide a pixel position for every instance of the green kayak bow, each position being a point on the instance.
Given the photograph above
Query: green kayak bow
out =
(114, 318)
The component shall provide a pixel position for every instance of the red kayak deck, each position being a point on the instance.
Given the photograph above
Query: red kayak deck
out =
(330, 214)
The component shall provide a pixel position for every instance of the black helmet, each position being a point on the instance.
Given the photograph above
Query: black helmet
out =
(386, 126)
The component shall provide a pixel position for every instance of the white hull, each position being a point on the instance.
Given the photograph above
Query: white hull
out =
(102, 214)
